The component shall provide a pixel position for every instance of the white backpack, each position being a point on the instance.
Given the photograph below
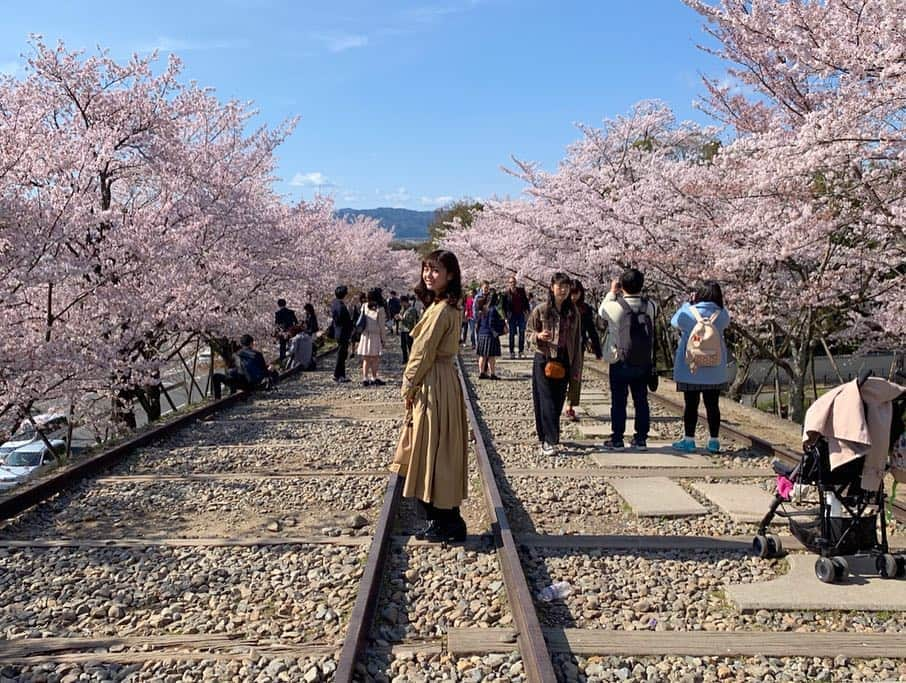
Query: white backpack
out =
(703, 346)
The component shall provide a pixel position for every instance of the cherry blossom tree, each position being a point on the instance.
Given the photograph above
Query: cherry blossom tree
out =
(137, 213)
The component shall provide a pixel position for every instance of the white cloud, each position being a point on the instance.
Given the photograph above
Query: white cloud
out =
(315, 179)
(436, 201)
(428, 14)
(340, 42)
(401, 194)
(168, 44)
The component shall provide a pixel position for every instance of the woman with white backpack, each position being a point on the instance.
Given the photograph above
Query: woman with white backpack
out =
(700, 367)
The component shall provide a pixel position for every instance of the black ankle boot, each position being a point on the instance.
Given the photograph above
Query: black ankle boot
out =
(421, 533)
(450, 529)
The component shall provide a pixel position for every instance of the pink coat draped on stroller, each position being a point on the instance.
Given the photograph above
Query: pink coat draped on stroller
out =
(848, 435)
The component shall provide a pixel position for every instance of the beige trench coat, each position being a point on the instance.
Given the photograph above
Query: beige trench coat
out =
(438, 462)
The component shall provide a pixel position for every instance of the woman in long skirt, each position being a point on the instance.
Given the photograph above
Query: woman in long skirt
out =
(433, 456)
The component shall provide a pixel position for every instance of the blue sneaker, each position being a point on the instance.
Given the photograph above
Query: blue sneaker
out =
(684, 446)
(714, 445)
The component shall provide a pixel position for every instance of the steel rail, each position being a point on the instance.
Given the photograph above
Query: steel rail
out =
(762, 446)
(32, 493)
(536, 658)
(363, 610)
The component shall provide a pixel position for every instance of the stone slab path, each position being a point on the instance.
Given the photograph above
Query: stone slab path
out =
(742, 502)
(657, 455)
(657, 497)
(800, 589)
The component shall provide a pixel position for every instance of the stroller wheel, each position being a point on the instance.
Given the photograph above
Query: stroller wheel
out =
(774, 545)
(760, 546)
(825, 570)
(841, 568)
(886, 565)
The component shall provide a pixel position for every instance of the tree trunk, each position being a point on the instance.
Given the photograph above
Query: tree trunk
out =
(122, 409)
(152, 402)
(744, 360)
(798, 375)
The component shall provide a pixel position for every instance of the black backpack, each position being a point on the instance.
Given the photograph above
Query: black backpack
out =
(641, 335)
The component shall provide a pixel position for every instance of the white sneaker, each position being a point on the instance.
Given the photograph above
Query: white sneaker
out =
(548, 449)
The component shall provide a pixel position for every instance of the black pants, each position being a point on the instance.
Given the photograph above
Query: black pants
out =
(405, 345)
(712, 409)
(283, 342)
(516, 324)
(232, 379)
(339, 370)
(628, 379)
(548, 396)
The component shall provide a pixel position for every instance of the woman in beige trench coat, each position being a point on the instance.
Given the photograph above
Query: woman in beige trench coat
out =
(433, 452)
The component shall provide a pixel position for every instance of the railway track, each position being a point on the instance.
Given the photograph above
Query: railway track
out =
(265, 541)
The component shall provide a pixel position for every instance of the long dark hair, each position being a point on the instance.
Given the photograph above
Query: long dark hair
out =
(375, 298)
(580, 290)
(709, 290)
(453, 291)
(556, 278)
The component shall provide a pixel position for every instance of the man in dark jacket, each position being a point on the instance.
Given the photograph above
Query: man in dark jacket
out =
(250, 370)
(284, 319)
(515, 310)
(342, 326)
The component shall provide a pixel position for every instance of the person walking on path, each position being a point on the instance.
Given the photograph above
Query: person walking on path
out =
(433, 449)
(490, 326)
(515, 310)
(408, 319)
(591, 342)
(700, 366)
(284, 318)
(556, 331)
(342, 327)
(372, 323)
(630, 351)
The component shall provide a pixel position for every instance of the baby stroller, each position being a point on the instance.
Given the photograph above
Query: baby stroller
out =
(848, 436)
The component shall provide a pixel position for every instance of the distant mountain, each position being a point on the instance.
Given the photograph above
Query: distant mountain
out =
(408, 225)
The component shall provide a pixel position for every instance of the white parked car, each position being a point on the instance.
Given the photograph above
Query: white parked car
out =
(25, 453)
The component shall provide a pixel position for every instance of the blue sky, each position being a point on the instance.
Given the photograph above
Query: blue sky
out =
(403, 103)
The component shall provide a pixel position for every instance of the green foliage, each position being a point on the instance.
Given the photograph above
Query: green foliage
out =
(710, 150)
(463, 209)
(645, 144)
